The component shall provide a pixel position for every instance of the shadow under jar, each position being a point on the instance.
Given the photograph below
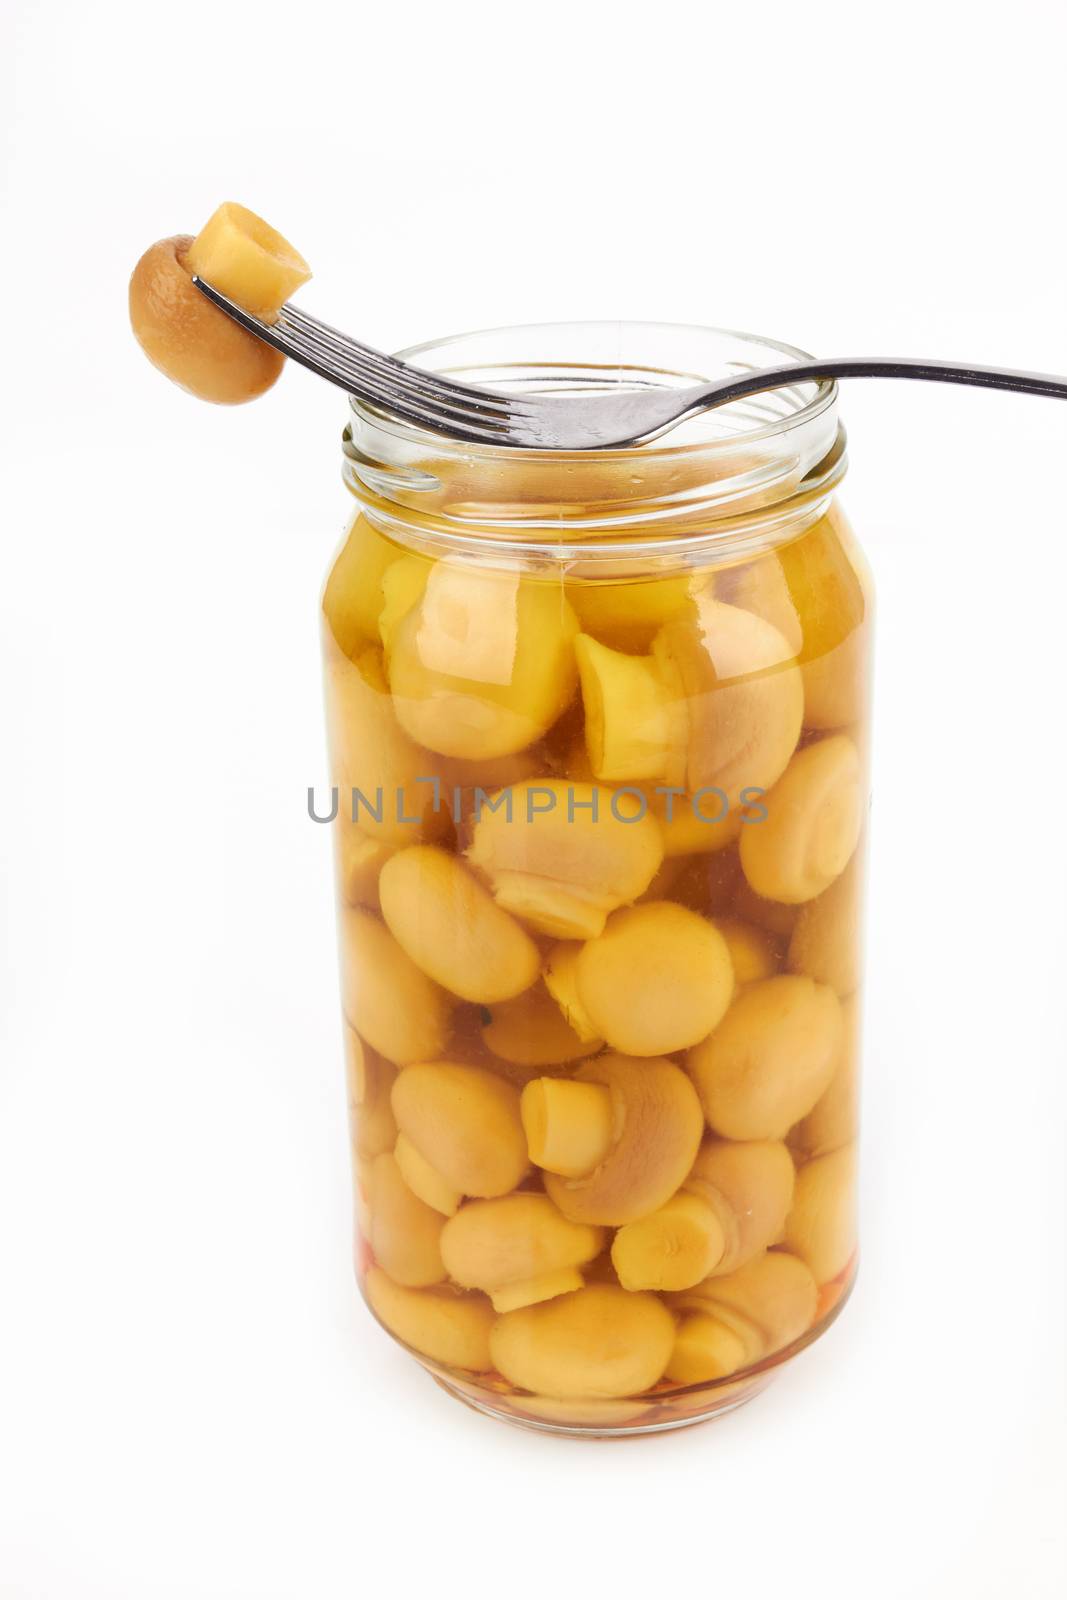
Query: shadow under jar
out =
(599, 729)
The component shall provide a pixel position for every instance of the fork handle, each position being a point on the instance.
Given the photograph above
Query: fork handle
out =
(766, 378)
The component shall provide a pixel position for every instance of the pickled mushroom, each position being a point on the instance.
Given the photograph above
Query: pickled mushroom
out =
(453, 929)
(655, 1130)
(827, 938)
(821, 1227)
(405, 1232)
(561, 856)
(768, 1303)
(484, 663)
(440, 1323)
(520, 1249)
(191, 340)
(770, 1059)
(388, 999)
(353, 598)
(659, 978)
(753, 951)
(833, 1121)
(743, 696)
(814, 814)
(464, 1121)
(599, 1341)
(532, 1031)
(732, 1206)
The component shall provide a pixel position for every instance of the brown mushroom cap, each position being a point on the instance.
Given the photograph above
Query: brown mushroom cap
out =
(774, 1297)
(598, 1341)
(659, 1123)
(440, 1323)
(465, 1122)
(770, 1059)
(750, 1184)
(195, 344)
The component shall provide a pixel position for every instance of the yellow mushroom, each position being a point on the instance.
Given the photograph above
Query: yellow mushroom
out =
(561, 981)
(705, 1349)
(833, 1121)
(385, 783)
(743, 698)
(569, 1126)
(635, 729)
(821, 1227)
(770, 1058)
(750, 1184)
(423, 1181)
(827, 938)
(192, 341)
(403, 586)
(353, 598)
(599, 1342)
(370, 1110)
(659, 978)
(732, 1206)
(452, 928)
(405, 1232)
(247, 260)
(388, 999)
(532, 1031)
(672, 1248)
(520, 1249)
(830, 589)
(464, 1121)
(767, 1303)
(484, 663)
(753, 952)
(562, 855)
(812, 825)
(695, 825)
(655, 1127)
(440, 1323)
(628, 615)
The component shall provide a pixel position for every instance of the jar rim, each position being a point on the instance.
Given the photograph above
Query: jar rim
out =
(822, 391)
(701, 478)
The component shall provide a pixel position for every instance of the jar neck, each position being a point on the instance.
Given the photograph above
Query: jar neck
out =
(732, 480)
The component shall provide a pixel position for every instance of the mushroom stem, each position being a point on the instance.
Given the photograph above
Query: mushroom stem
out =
(673, 1248)
(569, 1125)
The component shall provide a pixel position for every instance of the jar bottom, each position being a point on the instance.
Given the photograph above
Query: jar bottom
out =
(666, 1422)
(664, 1411)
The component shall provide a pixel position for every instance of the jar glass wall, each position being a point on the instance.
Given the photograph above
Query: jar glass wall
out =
(599, 729)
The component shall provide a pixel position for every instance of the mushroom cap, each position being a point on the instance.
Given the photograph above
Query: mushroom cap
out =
(188, 338)
(453, 929)
(600, 1341)
(390, 1001)
(659, 1122)
(770, 1058)
(439, 1323)
(465, 1122)
(491, 1243)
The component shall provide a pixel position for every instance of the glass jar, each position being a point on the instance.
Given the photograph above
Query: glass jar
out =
(598, 730)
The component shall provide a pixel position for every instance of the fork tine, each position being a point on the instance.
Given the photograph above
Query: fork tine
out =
(417, 377)
(394, 376)
(384, 393)
(350, 373)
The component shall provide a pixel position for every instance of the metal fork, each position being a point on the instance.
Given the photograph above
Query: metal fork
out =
(600, 420)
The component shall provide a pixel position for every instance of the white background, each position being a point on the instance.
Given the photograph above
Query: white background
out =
(192, 1402)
